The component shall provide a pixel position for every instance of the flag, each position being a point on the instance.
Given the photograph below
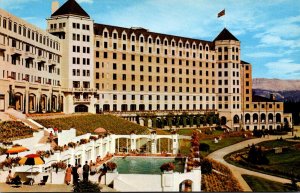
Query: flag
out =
(221, 13)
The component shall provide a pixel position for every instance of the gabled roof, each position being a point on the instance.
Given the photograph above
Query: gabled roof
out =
(71, 7)
(225, 35)
(99, 28)
(244, 62)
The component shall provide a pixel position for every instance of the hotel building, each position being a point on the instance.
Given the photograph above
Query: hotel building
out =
(91, 67)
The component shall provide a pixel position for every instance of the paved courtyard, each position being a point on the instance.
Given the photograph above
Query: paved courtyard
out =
(47, 188)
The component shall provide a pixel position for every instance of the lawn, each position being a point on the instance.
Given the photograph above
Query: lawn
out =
(281, 164)
(185, 144)
(88, 123)
(221, 144)
(189, 132)
(258, 184)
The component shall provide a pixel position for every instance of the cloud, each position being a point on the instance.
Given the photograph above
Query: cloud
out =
(15, 4)
(85, 1)
(284, 68)
(263, 54)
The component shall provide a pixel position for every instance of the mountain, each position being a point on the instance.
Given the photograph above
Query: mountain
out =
(276, 84)
(283, 90)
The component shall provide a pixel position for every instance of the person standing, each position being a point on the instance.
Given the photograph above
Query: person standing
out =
(80, 172)
(68, 174)
(75, 175)
(103, 172)
(86, 170)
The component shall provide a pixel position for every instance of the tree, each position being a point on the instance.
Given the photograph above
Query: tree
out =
(88, 186)
(206, 166)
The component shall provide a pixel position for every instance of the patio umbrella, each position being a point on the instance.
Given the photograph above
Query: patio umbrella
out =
(100, 130)
(31, 160)
(16, 149)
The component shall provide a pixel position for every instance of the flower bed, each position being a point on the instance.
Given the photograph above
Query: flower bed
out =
(13, 130)
(88, 123)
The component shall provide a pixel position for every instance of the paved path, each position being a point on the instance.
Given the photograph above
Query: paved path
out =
(237, 171)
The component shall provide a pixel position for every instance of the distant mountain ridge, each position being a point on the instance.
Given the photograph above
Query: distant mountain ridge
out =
(276, 84)
(282, 89)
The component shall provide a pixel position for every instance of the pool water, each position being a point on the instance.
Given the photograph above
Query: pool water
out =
(141, 165)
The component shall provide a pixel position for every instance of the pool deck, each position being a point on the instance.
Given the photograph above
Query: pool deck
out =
(47, 188)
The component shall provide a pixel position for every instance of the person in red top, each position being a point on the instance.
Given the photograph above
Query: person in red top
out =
(55, 131)
(51, 136)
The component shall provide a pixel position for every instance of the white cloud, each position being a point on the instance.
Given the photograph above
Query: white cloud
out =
(263, 54)
(284, 68)
(14, 4)
(85, 1)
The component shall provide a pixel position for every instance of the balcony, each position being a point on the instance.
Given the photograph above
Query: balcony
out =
(51, 62)
(15, 51)
(29, 55)
(41, 59)
(56, 30)
(12, 77)
(2, 47)
(82, 101)
(79, 90)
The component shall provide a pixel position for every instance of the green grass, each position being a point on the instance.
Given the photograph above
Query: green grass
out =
(276, 143)
(258, 184)
(88, 123)
(221, 144)
(187, 132)
(286, 162)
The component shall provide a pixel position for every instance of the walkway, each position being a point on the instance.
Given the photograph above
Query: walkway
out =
(47, 188)
(237, 171)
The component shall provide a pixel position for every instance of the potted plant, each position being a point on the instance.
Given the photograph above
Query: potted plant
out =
(93, 137)
(59, 165)
(111, 166)
(167, 167)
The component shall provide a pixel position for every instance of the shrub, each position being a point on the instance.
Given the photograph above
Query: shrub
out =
(204, 147)
(167, 167)
(60, 165)
(206, 166)
(88, 186)
(111, 166)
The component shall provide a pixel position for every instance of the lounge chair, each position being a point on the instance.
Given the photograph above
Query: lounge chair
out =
(43, 181)
(16, 182)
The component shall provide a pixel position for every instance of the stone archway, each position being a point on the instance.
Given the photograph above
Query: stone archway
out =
(19, 101)
(236, 119)
(81, 109)
(186, 186)
(223, 120)
(278, 118)
(32, 102)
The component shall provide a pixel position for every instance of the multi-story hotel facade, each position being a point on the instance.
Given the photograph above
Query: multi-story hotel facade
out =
(102, 68)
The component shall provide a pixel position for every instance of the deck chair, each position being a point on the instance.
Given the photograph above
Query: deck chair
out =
(16, 182)
(43, 181)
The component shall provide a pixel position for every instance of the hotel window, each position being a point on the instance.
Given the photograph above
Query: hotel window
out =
(141, 49)
(115, 46)
(105, 34)
(132, 77)
(132, 38)
(124, 36)
(141, 87)
(277, 106)
(114, 55)
(132, 57)
(123, 66)
(115, 35)
(123, 56)
(124, 97)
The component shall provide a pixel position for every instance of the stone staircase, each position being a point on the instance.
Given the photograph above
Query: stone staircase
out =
(19, 116)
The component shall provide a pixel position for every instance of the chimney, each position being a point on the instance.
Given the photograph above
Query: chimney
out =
(55, 6)
(272, 96)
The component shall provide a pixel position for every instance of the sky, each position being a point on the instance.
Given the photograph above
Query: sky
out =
(269, 30)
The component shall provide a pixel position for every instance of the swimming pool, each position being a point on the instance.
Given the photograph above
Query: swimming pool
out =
(145, 165)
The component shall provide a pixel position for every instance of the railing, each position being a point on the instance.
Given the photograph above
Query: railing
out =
(79, 90)
(162, 111)
(15, 50)
(82, 100)
(2, 46)
(62, 29)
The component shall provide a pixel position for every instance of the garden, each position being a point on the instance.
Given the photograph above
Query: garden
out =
(88, 123)
(14, 130)
(277, 157)
(258, 184)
